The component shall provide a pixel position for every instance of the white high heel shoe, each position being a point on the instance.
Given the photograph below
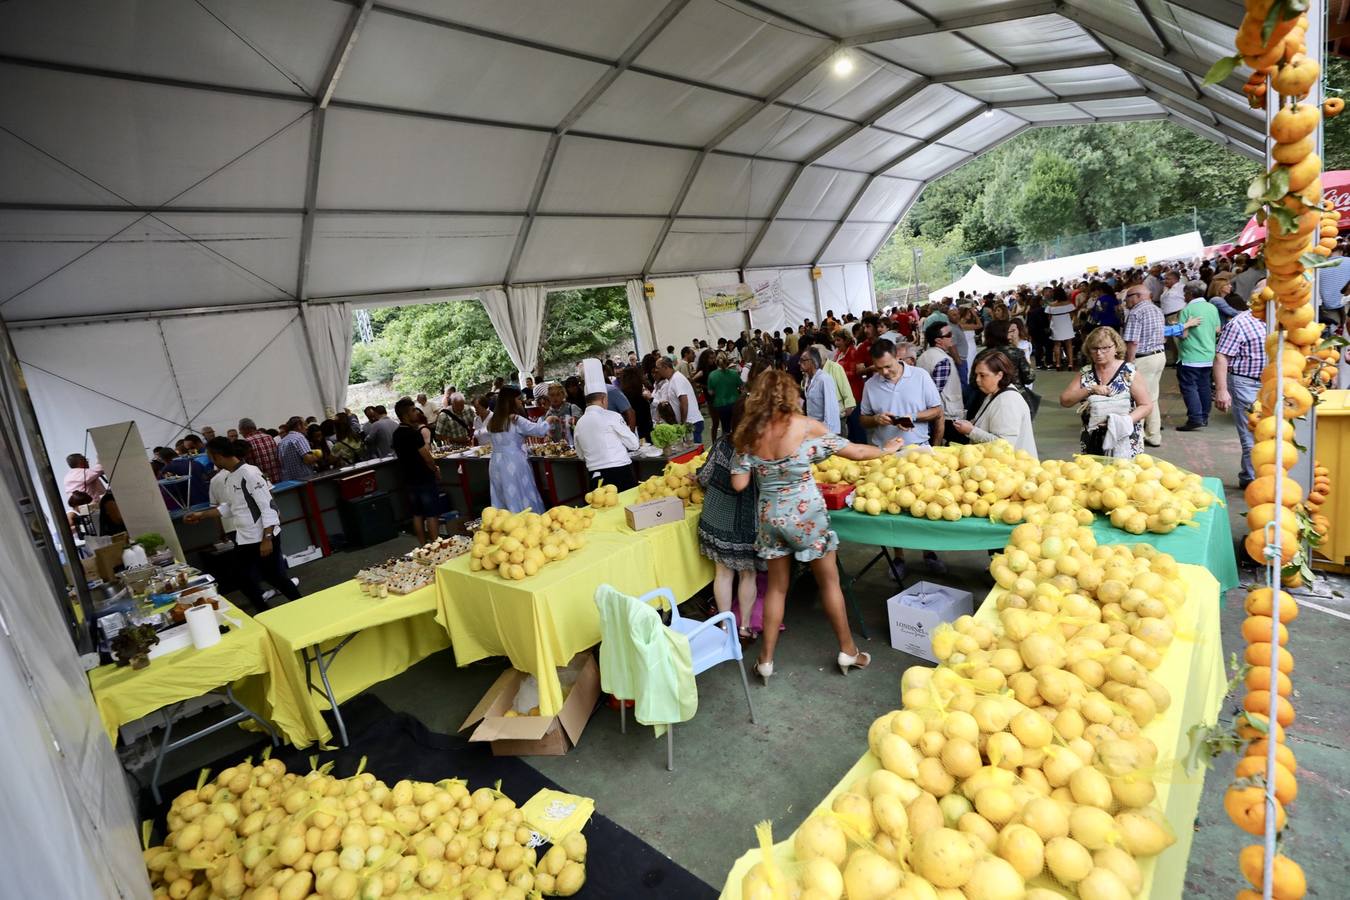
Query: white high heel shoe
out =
(764, 670)
(859, 660)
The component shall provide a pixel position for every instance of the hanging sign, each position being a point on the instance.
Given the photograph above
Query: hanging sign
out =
(1092, 270)
(1141, 260)
(727, 298)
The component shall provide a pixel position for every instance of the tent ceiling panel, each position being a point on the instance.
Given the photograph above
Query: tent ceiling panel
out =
(950, 9)
(984, 130)
(696, 243)
(1049, 114)
(409, 64)
(927, 162)
(929, 111)
(135, 263)
(572, 248)
(380, 254)
(935, 54)
(145, 144)
(784, 133)
(606, 24)
(381, 161)
(644, 107)
(1127, 106)
(593, 175)
(851, 16)
(885, 199)
(1089, 80)
(1033, 39)
(1123, 18)
(728, 46)
(1193, 34)
(853, 239)
(736, 186)
(854, 95)
(790, 240)
(821, 194)
(243, 43)
(1132, 54)
(1005, 87)
(867, 150)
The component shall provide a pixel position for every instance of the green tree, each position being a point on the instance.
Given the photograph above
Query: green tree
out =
(584, 322)
(1336, 132)
(1048, 204)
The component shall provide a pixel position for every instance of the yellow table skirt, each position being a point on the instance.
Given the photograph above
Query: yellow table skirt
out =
(123, 694)
(674, 547)
(391, 634)
(542, 622)
(1192, 670)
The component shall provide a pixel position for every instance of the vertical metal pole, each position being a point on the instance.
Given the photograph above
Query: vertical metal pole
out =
(17, 405)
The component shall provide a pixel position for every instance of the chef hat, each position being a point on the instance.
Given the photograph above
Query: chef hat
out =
(594, 374)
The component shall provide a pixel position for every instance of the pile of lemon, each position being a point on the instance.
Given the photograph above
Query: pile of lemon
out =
(603, 497)
(1021, 766)
(675, 481)
(518, 545)
(1010, 486)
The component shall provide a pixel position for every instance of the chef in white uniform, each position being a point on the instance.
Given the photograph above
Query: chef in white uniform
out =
(603, 438)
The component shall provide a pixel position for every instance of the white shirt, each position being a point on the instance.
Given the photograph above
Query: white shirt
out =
(429, 409)
(603, 439)
(912, 393)
(216, 492)
(679, 386)
(822, 401)
(246, 481)
(1004, 416)
(1173, 299)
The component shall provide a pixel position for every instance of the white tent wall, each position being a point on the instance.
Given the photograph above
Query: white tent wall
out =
(846, 289)
(798, 299)
(175, 374)
(67, 826)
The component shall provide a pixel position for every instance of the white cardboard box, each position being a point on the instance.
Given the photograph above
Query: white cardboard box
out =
(654, 512)
(916, 611)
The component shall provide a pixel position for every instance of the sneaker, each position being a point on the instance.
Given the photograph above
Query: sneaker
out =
(1148, 443)
(269, 593)
(935, 565)
(1243, 482)
(1191, 426)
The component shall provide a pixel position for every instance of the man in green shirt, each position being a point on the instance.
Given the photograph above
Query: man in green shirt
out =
(1196, 362)
(724, 389)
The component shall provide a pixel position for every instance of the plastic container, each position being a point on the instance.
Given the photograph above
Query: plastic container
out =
(836, 495)
(1333, 451)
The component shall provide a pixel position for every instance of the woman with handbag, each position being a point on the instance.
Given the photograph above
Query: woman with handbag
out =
(1112, 401)
(1003, 414)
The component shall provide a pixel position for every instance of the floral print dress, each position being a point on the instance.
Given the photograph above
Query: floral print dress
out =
(1120, 384)
(792, 515)
(509, 471)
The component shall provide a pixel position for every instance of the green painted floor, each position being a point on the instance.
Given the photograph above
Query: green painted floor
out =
(729, 774)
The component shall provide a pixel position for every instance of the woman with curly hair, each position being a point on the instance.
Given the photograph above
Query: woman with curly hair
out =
(776, 444)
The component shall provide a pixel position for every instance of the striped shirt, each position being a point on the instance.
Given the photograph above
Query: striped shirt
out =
(1243, 342)
(1144, 327)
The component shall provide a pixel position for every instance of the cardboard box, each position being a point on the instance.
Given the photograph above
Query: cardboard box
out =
(660, 511)
(536, 735)
(917, 611)
(110, 557)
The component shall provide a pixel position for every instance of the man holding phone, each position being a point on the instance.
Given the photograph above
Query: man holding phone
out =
(900, 399)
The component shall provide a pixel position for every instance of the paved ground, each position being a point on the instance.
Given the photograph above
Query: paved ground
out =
(812, 722)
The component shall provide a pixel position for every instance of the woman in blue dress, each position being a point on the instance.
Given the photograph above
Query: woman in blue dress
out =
(777, 444)
(509, 471)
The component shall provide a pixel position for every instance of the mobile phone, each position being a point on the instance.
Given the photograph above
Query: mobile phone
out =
(903, 421)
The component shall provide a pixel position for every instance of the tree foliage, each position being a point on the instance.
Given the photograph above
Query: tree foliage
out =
(428, 346)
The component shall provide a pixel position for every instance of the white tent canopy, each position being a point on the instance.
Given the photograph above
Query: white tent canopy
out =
(160, 158)
(976, 281)
(1144, 253)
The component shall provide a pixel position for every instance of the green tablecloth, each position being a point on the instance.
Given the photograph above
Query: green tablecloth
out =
(1209, 543)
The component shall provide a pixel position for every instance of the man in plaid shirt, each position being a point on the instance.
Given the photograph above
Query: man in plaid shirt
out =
(1144, 347)
(1239, 357)
(262, 450)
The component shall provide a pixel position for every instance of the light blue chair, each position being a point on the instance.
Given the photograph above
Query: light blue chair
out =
(709, 645)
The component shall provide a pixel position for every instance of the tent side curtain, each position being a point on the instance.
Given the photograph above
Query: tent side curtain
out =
(175, 375)
(642, 321)
(517, 315)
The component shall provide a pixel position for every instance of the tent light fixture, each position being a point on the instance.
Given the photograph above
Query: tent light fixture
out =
(843, 64)
(989, 113)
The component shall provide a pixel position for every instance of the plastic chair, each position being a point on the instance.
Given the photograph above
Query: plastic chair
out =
(709, 645)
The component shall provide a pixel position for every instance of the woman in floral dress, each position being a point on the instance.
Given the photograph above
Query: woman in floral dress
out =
(509, 471)
(777, 444)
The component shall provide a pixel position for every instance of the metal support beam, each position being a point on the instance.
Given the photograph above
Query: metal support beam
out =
(1049, 65)
(621, 65)
(344, 51)
(1024, 10)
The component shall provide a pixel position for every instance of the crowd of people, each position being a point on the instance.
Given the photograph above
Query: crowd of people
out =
(956, 370)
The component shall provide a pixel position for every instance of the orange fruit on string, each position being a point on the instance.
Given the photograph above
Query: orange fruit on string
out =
(1259, 701)
(1308, 335)
(1283, 755)
(1305, 172)
(1333, 106)
(1246, 806)
(1258, 517)
(1296, 77)
(1256, 629)
(1262, 490)
(1286, 785)
(1255, 545)
(1252, 732)
(1258, 603)
(1288, 882)
(1288, 154)
(1265, 429)
(1297, 400)
(1294, 123)
(1291, 580)
(1258, 679)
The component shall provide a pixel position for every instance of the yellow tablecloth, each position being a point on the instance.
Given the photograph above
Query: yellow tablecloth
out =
(1192, 670)
(674, 547)
(123, 694)
(391, 635)
(542, 622)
